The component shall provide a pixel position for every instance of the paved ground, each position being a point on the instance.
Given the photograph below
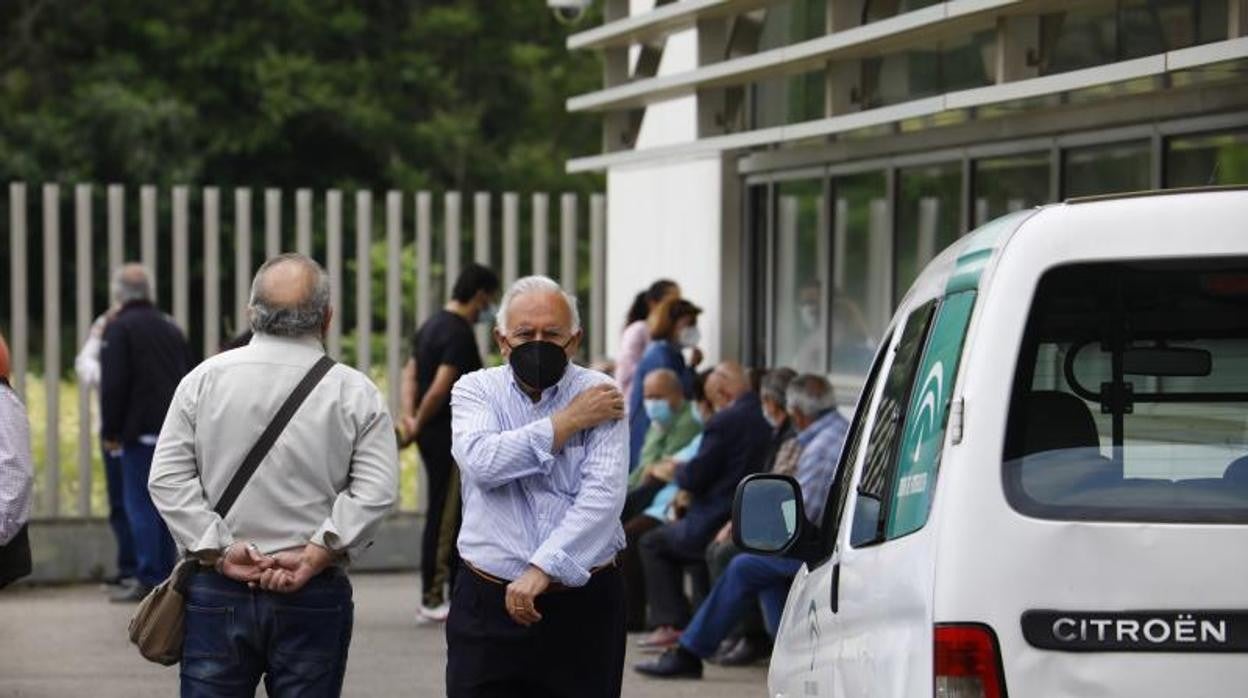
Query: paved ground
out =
(68, 641)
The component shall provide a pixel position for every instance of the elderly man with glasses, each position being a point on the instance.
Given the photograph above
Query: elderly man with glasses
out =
(538, 606)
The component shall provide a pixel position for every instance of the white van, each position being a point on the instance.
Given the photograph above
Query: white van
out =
(1045, 487)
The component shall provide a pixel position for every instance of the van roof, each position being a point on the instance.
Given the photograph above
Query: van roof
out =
(1155, 192)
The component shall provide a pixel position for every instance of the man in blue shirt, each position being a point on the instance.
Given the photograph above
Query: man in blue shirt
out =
(538, 606)
(750, 577)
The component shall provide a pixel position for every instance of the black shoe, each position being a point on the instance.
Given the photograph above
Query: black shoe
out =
(676, 663)
(131, 594)
(746, 652)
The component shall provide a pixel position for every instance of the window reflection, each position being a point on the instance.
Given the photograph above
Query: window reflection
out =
(928, 218)
(1106, 31)
(956, 64)
(1007, 184)
(861, 295)
(788, 100)
(1207, 159)
(1106, 169)
(801, 247)
(875, 10)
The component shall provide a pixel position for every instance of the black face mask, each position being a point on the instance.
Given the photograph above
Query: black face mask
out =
(538, 364)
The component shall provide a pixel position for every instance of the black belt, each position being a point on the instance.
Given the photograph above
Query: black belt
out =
(554, 586)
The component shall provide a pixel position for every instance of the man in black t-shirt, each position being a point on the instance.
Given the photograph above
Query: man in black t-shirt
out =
(443, 349)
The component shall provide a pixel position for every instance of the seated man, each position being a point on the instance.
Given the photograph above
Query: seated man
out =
(748, 577)
(733, 446)
(673, 425)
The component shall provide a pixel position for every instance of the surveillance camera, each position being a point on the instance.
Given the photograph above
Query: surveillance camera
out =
(569, 11)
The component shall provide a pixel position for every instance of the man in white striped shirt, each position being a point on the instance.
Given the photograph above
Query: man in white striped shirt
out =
(538, 607)
(16, 478)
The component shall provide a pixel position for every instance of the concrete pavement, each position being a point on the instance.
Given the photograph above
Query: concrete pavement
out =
(62, 642)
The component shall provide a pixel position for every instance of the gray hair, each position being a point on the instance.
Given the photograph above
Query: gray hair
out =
(811, 395)
(131, 282)
(536, 284)
(774, 385)
(306, 316)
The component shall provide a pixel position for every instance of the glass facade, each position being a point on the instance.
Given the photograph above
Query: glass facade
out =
(929, 218)
(1006, 184)
(1107, 31)
(1207, 159)
(956, 64)
(1105, 169)
(801, 245)
(825, 279)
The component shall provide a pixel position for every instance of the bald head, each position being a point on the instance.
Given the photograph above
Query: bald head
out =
(664, 384)
(290, 297)
(131, 283)
(726, 383)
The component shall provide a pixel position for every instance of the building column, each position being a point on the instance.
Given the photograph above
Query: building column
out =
(843, 81)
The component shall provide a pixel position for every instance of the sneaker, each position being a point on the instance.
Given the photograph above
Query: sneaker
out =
(426, 615)
(131, 594)
(662, 638)
(675, 663)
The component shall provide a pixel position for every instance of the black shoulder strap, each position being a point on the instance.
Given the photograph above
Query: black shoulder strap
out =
(267, 439)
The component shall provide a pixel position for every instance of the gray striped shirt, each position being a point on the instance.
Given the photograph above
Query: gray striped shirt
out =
(17, 470)
(524, 504)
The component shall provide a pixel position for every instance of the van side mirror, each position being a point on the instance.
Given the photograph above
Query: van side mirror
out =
(767, 514)
(866, 527)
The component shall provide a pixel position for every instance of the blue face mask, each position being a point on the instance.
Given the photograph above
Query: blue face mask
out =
(659, 411)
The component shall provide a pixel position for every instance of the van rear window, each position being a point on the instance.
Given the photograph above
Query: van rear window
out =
(1130, 399)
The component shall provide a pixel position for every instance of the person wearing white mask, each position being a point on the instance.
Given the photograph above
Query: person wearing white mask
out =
(673, 328)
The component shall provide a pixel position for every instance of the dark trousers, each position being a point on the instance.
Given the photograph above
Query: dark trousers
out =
(117, 519)
(748, 581)
(664, 564)
(634, 576)
(438, 555)
(718, 556)
(235, 635)
(153, 547)
(575, 651)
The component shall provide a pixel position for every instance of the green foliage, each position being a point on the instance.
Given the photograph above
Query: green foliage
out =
(464, 94)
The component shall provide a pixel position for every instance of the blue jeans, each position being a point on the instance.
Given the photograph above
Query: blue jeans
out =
(117, 519)
(153, 547)
(234, 635)
(748, 577)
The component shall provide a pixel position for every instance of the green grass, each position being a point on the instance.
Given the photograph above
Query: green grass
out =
(67, 422)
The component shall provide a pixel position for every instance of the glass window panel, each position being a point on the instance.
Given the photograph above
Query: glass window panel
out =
(790, 22)
(1207, 159)
(1106, 169)
(1148, 27)
(801, 249)
(928, 217)
(861, 294)
(788, 99)
(1078, 38)
(956, 64)
(1011, 183)
(875, 10)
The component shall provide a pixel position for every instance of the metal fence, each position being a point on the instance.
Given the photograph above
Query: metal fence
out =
(426, 257)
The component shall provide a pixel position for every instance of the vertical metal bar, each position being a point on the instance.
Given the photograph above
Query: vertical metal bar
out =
(272, 223)
(19, 341)
(52, 345)
(541, 228)
(424, 254)
(598, 274)
(452, 220)
(567, 242)
(181, 235)
(242, 258)
(1157, 160)
(394, 296)
(967, 199)
(363, 278)
(82, 268)
(212, 270)
(481, 254)
(333, 258)
(1056, 177)
(147, 236)
(303, 222)
(116, 226)
(511, 238)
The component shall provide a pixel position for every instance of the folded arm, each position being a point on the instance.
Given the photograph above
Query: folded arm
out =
(590, 524)
(488, 455)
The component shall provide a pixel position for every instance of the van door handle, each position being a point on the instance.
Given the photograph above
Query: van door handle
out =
(836, 586)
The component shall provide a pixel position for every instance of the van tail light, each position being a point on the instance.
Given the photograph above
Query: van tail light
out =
(967, 662)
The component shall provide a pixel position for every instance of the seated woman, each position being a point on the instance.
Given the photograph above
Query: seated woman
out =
(673, 327)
